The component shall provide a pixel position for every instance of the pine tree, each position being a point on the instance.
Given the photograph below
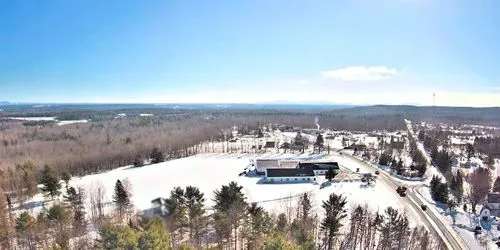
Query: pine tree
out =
(330, 174)
(138, 161)
(157, 156)
(400, 167)
(334, 213)
(50, 183)
(319, 142)
(121, 198)
(496, 185)
(394, 165)
(25, 224)
(65, 176)
(230, 204)
(470, 151)
(176, 213)
(385, 159)
(281, 223)
(491, 161)
(196, 219)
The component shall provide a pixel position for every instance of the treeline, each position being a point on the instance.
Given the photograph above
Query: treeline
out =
(183, 221)
(98, 146)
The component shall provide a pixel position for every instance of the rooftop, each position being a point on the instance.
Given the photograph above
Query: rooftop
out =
(319, 165)
(289, 172)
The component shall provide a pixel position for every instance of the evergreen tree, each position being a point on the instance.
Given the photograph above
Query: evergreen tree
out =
(196, 219)
(385, 159)
(394, 165)
(157, 156)
(330, 174)
(230, 204)
(259, 133)
(319, 142)
(334, 213)
(491, 161)
(176, 213)
(25, 230)
(421, 135)
(439, 191)
(496, 185)
(258, 223)
(155, 236)
(138, 161)
(117, 237)
(121, 198)
(50, 183)
(400, 167)
(65, 176)
(469, 148)
(75, 199)
(304, 210)
(279, 242)
(281, 223)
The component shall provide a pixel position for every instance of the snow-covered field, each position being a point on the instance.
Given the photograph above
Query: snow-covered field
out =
(33, 118)
(62, 123)
(210, 171)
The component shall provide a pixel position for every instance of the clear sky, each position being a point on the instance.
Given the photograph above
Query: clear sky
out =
(344, 51)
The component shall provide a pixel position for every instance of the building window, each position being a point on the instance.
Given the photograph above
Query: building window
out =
(286, 179)
(303, 179)
(295, 178)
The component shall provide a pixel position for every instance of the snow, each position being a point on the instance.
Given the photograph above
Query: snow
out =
(145, 115)
(62, 123)
(33, 118)
(210, 171)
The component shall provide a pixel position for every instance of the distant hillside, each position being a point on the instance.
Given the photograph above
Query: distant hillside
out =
(434, 114)
(490, 116)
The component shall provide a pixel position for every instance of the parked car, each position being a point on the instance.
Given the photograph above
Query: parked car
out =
(377, 172)
(325, 184)
(401, 190)
(478, 230)
(424, 207)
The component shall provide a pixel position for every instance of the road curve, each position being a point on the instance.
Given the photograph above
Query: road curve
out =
(447, 235)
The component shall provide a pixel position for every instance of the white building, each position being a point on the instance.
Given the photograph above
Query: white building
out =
(289, 175)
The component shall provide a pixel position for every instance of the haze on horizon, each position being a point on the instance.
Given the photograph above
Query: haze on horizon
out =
(340, 52)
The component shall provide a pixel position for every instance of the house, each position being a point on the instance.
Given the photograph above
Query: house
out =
(320, 168)
(158, 206)
(492, 208)
(289, 175)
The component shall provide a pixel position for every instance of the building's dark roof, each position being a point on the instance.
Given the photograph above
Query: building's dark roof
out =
(289, 172)
(493, 212)
(494, 198)
(319, 165)
(270, 144)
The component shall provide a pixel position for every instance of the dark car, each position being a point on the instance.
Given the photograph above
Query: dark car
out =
(401, 190)
(377, 172)
(424, 207)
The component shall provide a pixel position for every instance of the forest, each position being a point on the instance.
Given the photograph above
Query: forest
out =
(112, 141)
(187, 223)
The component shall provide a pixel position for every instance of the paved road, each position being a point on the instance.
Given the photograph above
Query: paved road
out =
(447, 235)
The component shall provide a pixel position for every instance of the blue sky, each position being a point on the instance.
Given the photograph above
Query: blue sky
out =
(346, 51)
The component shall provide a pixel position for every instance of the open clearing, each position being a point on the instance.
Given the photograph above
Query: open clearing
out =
(210, 171)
